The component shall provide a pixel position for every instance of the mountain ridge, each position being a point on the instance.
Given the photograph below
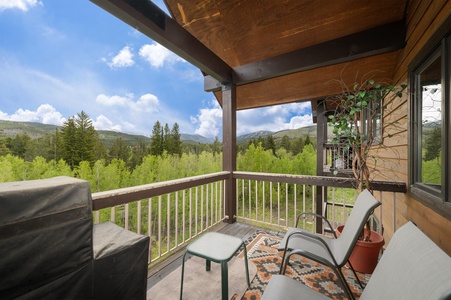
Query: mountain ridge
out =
(36, 130)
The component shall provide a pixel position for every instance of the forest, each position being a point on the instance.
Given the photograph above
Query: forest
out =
(76, 150)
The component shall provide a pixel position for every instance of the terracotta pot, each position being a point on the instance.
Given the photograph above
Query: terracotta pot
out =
(365, 255)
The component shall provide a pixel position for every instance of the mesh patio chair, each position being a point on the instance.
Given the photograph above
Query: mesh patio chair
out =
(332, 252)
(412, 267)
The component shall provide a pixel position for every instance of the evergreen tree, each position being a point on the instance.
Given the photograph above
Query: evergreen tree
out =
(80, 141)
(270, 144)
(285, 143)
(307, 141)
(3, 149)
(176, 140)
(69, 141)
(167, 139)
(216, 147)
(18, 145)
(433, 144)
(156, 140)
(86, 137)
(138, 152)
(119, 150)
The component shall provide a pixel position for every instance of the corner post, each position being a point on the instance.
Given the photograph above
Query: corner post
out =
(229, 149)
(321, 130)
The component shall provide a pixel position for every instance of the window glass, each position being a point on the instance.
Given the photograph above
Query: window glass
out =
(430, 115)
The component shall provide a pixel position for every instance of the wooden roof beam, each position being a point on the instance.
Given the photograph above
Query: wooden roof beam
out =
(379, 40)
(148, 18)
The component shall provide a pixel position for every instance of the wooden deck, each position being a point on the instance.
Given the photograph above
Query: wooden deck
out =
(162, 269)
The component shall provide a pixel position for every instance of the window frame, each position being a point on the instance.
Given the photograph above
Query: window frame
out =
(438, 45)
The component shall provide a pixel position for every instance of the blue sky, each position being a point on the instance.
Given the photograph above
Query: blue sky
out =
(59, 57)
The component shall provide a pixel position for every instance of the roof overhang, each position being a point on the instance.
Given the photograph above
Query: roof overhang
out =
(274, 51)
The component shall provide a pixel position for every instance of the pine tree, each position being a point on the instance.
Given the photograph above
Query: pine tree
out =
(86, 138)
(433, 144)
(270, 144)
(167, 139)
(68, 136)
(285, 143)
(156, 140)
(119, 150)
(176, 140)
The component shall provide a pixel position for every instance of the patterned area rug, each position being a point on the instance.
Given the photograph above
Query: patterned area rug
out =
(264, 254)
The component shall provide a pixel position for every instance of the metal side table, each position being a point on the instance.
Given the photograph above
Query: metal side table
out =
(219, 248)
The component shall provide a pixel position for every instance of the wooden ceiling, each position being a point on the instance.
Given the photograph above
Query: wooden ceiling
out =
(275, 51)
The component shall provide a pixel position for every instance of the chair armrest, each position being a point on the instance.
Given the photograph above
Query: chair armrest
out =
(316, 215)
(300, 251)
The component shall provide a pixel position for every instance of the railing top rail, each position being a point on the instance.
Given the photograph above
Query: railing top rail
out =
(129, 194)
(344, 182)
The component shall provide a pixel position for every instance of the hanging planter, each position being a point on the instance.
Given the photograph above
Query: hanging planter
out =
(365, 255)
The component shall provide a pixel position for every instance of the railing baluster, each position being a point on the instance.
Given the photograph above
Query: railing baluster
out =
(270, 202)
(263, 200)
(303, 205)
(278, 203)
(249, 203)
(207, 215)
(113, 212)
(197, 215)
(168, 222)
(159, 226)
(126, 216)
(295, 204)
(138, 225)
(184, 216)
(176, 242)
(256, 199)
(149, 226)
(286, 204)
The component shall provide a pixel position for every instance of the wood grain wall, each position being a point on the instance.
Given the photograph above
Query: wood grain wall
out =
(424, 18)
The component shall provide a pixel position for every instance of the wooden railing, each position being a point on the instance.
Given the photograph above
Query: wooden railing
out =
(174, 212)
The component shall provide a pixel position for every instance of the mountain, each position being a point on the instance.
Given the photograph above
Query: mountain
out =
(278, 135)
(36, 130)
(253, 136)
(195, 138)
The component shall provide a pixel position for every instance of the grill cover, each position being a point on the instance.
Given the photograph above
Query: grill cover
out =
(46, 238)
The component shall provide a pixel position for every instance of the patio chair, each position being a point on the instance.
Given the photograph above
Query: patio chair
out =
(412, 267)
(332, 252)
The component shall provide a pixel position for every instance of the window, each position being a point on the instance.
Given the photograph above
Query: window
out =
(372, 118)
(430, 114)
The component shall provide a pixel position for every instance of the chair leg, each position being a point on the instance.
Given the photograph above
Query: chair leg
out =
(355, 274)
(344, 282)
(283, 264)
(246, 265)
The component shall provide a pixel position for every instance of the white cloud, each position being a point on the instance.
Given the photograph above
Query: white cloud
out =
(123, 59)
(274, 118)
(209, 120)
(22, 5)
(45, 114)
(103, 123)
(157, 55)
(147, 102)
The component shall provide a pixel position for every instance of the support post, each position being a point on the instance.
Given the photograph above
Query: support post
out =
(229, 149)
(321, 134)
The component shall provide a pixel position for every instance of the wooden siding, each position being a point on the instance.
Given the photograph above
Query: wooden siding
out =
(424, 18)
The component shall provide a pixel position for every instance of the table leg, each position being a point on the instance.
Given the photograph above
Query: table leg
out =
(207, 265)
(183, 273)
(225, 280)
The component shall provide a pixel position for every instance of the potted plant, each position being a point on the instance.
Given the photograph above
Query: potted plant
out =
(357, 121)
